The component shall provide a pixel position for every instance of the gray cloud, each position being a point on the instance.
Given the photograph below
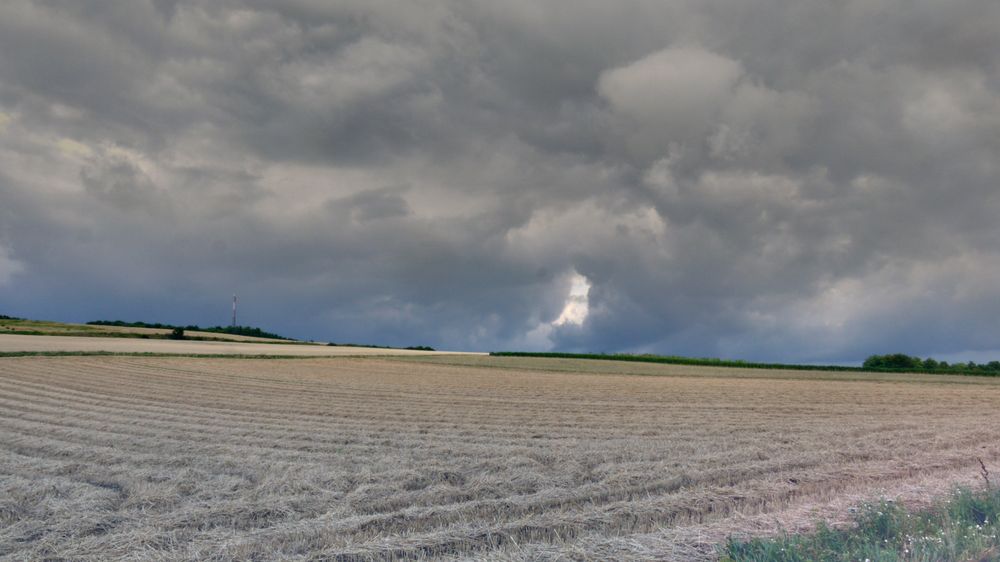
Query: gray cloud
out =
(770, 180)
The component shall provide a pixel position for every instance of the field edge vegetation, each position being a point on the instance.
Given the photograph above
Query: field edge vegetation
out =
(962, 526)
(872, 364)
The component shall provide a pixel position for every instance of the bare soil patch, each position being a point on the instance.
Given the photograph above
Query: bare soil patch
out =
(380, 459)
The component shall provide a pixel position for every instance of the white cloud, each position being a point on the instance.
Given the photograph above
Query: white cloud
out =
(577, 306)
(74, 149)
(688, 96)
(672, 95)
(366, 69)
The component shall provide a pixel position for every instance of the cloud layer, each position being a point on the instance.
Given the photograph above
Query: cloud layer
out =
(780, 180)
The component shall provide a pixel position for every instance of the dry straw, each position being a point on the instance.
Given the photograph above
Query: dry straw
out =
(498, 458)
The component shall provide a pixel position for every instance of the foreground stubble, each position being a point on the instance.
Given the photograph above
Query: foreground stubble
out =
(186, 458)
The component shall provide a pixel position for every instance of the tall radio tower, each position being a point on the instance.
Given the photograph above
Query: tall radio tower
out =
(234, 310)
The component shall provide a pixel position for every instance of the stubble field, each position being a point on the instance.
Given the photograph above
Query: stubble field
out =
(181, 458)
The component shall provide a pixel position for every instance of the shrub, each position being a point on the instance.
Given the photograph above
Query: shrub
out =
(893, 361)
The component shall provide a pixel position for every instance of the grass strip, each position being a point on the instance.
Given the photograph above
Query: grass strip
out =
(964, 526)
(710, 362)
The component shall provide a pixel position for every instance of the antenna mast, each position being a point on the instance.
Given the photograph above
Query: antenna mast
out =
(234, 310)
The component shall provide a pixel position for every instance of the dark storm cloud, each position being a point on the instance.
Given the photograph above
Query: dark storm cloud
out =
(771, 179)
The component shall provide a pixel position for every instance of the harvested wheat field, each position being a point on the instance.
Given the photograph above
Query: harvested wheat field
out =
(180, 458)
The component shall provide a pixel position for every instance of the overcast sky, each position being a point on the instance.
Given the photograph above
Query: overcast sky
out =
(787, 180)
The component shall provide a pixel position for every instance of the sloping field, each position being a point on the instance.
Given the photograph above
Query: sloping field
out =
(43, 327)
(113, 330)
(55, 344)
(376, 458)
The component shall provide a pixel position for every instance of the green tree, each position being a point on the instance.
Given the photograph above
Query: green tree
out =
(893, 361)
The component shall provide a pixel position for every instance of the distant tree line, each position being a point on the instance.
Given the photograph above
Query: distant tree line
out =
(906, 362)
(5, 317)
(895, 362)
(235, 330)
(411, 348)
